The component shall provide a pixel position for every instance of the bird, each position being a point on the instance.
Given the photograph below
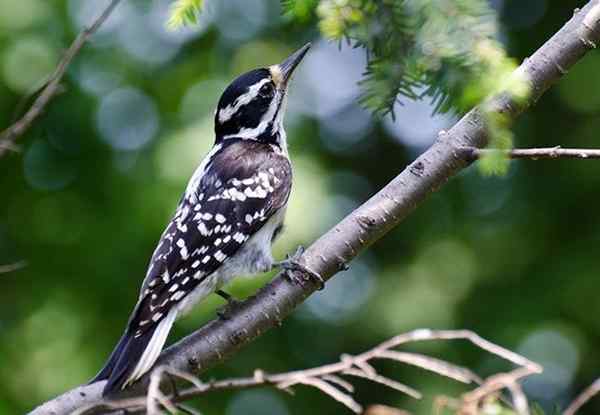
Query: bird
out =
(225, 223)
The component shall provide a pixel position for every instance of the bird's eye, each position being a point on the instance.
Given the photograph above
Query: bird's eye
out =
(266, 91)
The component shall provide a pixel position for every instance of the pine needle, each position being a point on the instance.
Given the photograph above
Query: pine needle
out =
(184, 13)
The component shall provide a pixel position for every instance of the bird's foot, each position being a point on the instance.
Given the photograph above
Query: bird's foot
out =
(227, 310)
(292, 267)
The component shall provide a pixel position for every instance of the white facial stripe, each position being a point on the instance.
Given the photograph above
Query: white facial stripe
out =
(266, 119)
(226, 113)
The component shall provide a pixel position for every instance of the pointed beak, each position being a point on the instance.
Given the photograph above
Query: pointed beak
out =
(287, 66)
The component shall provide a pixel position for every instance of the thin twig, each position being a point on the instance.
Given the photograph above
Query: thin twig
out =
(8, 136)
(12, 267)
(583, 398)
(557, 152)
(328, 378)
(472, 400)
(384, 410)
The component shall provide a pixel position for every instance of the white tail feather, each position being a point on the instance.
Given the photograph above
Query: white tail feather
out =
(154, 347)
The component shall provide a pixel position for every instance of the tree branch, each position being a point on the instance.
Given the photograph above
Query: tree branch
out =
(472, 153)
(582, 399)
(8, 136)
(328, 378)
(220, 339)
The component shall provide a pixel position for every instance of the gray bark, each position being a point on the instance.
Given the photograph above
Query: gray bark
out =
(220, 339)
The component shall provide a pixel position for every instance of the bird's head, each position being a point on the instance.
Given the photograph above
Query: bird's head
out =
(253, 105)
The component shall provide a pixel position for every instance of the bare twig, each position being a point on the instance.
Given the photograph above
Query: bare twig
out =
(384, 410)
(8, 136)
(328, 379)
(221, 339)
(12, 267)
(584, 397)
(471, 401)
(557, 152)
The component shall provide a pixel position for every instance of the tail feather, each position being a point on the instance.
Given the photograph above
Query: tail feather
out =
(112, 360)
(126, 362)
(134, 356)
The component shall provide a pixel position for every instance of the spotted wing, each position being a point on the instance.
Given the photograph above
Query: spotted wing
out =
(243, 185)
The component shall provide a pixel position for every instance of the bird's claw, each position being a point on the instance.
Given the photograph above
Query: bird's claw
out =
(226, 311)
(292, 263)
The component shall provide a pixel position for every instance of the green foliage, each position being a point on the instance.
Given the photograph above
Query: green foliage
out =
(497, 162)
(300, 10)
(444, 50)
(184, 13)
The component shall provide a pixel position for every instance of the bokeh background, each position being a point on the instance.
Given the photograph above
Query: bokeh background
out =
(513, 258)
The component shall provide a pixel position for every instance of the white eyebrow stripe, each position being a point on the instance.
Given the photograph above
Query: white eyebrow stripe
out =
(266, 119)
(226, 113)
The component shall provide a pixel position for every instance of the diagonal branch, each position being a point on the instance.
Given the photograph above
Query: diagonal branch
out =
(473, 153)
(9, 136)
(220, 339)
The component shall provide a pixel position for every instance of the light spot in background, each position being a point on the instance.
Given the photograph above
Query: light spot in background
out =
(181, 152)
(200, 100)
(238, 20)
(22, 14)
(139, 29)
(559, 357)
(96, 77)
(256, 402)
(345, 295)
(326, 81)
(27, 63)
(340, 130)
(314, 213)
(451, 265)
(127, 119)
(426, 292)
(413, 303)
(326, 87)
(415, 125)
(146, 38)
(84, 12)
(46, 168)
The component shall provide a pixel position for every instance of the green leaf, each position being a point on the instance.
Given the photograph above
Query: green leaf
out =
(184, 13)
(496, 163)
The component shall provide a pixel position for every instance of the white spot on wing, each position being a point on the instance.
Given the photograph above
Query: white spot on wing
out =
(220, 256)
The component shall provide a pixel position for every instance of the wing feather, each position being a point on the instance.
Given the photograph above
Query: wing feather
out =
(243, 185)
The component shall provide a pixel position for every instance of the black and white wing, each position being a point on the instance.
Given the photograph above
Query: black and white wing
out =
(229, 199)
(243, 185)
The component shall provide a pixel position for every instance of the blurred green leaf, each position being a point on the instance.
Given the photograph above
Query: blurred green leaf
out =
(184, 13)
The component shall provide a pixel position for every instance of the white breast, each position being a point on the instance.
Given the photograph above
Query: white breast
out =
(253, 258)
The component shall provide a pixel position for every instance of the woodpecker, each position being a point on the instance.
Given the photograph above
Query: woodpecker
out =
(230, 213)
